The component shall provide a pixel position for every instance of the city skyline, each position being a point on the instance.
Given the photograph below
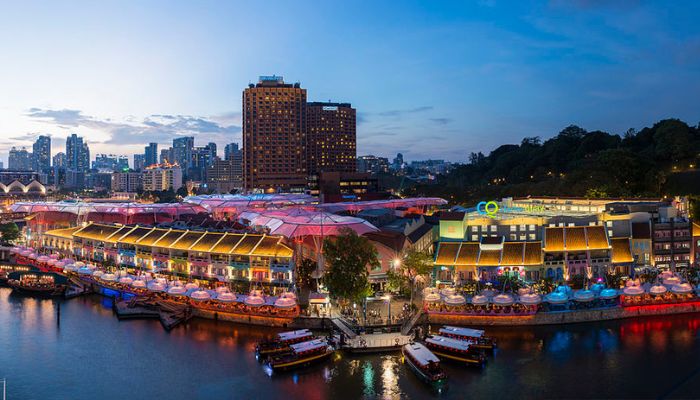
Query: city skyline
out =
(513, 71)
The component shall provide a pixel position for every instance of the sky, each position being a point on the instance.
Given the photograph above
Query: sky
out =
(428, 79)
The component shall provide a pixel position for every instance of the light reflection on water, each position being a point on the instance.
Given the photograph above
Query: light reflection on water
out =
(93, 355)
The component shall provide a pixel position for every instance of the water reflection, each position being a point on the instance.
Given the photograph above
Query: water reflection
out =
(208, 359)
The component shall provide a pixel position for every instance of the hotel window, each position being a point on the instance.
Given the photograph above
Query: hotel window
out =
(522, 228)
(552, 225)
(608, 224)
(610, 233)
(513, 236)
(512, 228)
(531, 227)
(571, 224)
(474, 228)
(522, 237)
(475, 238)
(493, 228)
(531, 236)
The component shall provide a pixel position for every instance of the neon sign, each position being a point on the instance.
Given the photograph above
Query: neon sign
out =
(491, 208)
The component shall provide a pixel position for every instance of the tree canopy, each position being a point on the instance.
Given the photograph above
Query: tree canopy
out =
(347, 257)
(576, 163)
(9, 232)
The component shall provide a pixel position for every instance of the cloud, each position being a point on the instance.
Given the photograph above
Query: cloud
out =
(441, 121)
(398, 113)
(159, 128)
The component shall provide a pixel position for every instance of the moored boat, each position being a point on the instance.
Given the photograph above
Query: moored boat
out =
(36, 283)
(424, 364)
(474, 336)
(301, 354)
(282, 342)
(455, 350)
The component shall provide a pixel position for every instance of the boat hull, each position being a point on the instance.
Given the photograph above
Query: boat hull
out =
(299, 363)
(426, 378)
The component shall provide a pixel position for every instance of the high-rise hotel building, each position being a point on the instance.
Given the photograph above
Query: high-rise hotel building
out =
(274, 135)
(331, 137)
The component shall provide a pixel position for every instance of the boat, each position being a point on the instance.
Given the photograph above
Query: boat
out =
(474, 336)
(424, 364)
(374, 342)
(455, 350)
(301, 354)
(282, 342)
(36, 284)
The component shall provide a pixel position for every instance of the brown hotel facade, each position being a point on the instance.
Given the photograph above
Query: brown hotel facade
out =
(286, 140)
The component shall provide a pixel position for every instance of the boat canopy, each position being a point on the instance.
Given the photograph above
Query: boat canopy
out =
(309, 345)
(421, 354)
(455, 330)
(291, 335)
(449, 342)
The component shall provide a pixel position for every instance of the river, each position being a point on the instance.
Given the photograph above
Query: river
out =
(88, 354)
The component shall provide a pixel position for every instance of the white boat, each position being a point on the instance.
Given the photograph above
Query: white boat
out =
(424, 363)
(455, 349)
(477, 337)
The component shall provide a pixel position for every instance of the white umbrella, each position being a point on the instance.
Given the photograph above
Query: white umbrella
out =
(503, 299)
(97, 273)
(432, 298)
(226, 297)
(191, 285)
(682, 288)
(448, 291)
(455, 300)
(584, 296)
(126, 280)
(200, 295)
(633, 291)
(109, 277)
(607, 294)
(285, 302)
(177, 290)
(138, 283)
(254, 301)
(480, 300)
(156, 286)
(556, 298)
(658, 289)
(530, 299)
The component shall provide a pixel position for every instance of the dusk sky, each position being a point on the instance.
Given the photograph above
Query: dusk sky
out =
(429, 80)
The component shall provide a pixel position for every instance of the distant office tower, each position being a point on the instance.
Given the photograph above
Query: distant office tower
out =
(151, 154)
(223, 176)
(274, 130)
(110, 162)
(127, 181)
(182, 152)
(230, 149)
(331, 138)
(41, 156)
(162, 177)
(77, 161)
(139, 162)
(372, 164)
(166, 156)
(2, 166)
(398, 162)
(19, 160)
(59, 160)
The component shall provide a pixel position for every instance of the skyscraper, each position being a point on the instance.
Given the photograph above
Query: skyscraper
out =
(77, 161)
(331, 137)
(182, 152)
(140, 161)
(229, 150)
(19, 160)
(151, 154)
(274, 130)
(41, 157)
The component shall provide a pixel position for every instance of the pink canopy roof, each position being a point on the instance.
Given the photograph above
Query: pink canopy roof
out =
(297, 222)
(82, 208)
(240, 202)
(378, 204)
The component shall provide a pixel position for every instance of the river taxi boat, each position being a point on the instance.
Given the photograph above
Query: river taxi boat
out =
(282, 342)
(35, 284)
(301, 354)
(455, 350)
(424, 364)
(474, 336)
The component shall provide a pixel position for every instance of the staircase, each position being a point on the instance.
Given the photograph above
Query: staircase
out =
(412, 322)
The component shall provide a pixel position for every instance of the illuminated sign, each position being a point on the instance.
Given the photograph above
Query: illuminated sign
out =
(491, 208)
(330, 108)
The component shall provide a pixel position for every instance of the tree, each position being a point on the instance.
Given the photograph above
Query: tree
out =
(182, 192)
(414, 264)
(348, 256)
(303, 276)
(9, 232)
